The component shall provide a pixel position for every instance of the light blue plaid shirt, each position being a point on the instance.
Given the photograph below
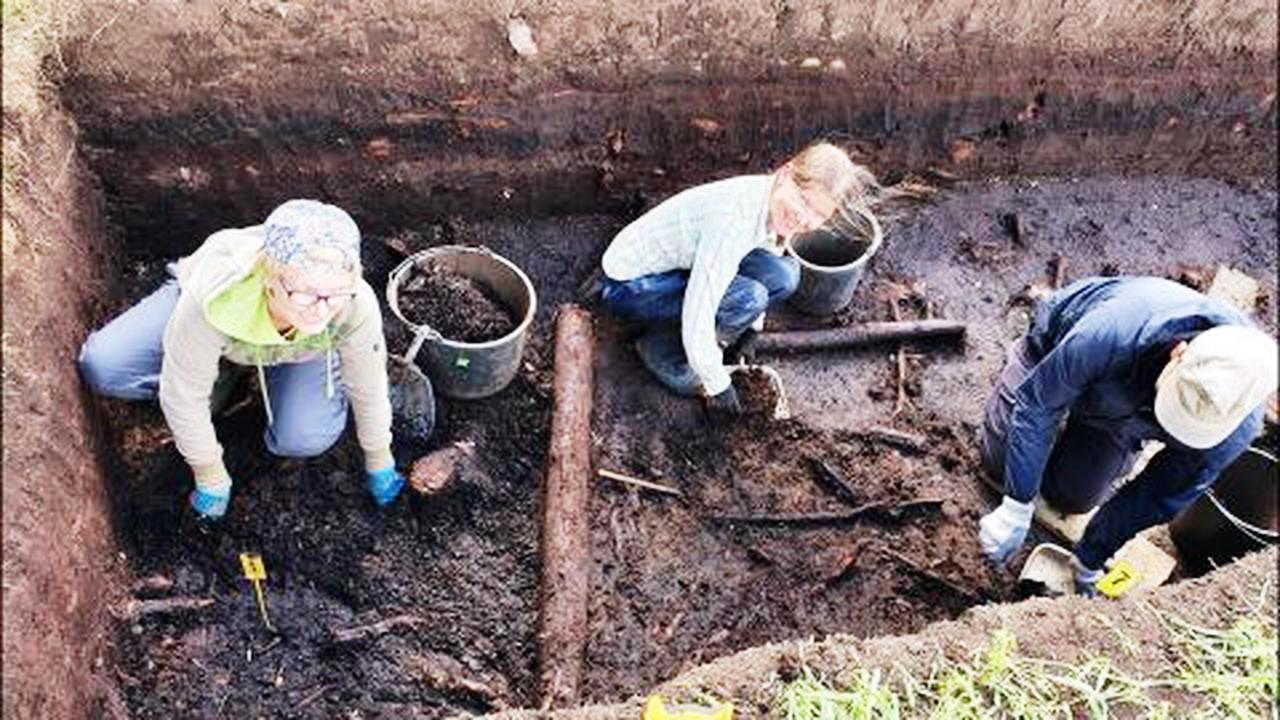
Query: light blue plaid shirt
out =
(706, 230)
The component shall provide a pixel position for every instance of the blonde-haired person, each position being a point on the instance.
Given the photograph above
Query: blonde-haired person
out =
(698, 271)
(285, 298)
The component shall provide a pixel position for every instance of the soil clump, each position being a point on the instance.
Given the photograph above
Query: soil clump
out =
(756, 392)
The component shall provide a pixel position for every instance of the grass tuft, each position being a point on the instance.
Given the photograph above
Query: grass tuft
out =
(1233, 672)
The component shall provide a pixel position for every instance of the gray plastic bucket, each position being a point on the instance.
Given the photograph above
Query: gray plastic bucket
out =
(1236, 516)
(832, 263)
(465, 370)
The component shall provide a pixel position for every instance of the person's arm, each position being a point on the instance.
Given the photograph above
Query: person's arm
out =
(192, 349)
(1044, 397)
(363, 350)
(714, 266)
(1174, 479)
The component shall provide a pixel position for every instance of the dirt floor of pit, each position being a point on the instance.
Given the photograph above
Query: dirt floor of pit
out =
(671, 586)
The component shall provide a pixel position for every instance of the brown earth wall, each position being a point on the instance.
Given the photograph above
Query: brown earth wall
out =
(60, 556)
(205, 114)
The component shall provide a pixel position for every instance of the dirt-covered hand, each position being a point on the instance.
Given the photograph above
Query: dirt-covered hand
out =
(724, 406)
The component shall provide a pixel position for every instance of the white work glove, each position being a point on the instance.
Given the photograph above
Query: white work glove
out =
(1001, 531)
(1086, 578)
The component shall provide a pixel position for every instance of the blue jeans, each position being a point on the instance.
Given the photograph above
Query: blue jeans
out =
(122, 360)
(763, 281)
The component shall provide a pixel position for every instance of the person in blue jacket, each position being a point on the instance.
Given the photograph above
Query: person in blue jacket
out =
(1107, 364)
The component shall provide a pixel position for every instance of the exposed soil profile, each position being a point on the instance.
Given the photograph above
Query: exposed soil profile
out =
(456, 306)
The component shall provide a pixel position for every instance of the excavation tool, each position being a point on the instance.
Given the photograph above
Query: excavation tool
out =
(1049, 570)
(256, 572)
(656, 709)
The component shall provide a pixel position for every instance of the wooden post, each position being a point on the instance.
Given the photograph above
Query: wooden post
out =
(859, 335)
(566, 559)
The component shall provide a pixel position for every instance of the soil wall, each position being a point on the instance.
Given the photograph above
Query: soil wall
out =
(59, 549)
(206, 114)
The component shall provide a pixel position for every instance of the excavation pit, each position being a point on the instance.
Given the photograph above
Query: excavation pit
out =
(430, 609)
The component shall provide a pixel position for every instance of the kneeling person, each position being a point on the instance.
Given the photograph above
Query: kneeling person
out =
(1107, 364)
(699, 270)
(286, 298)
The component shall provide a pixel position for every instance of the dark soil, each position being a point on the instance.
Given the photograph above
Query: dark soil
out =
(672, 586)
(454, 305)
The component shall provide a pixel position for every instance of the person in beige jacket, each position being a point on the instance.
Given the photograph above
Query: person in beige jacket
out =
(286, 298)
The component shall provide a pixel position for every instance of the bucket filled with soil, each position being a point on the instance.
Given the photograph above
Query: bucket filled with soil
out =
(832, 260)
(468, 310)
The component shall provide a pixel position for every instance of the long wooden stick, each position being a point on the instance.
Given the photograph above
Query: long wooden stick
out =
(628, 480)
(901, 402)
(136, 609)
(566, 554)
(378, 629)
(828, 518)
(833, 480)
(852, 336)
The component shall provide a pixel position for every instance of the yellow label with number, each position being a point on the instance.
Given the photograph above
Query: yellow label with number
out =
(654, 709)
(252, 565)
(1119, 580)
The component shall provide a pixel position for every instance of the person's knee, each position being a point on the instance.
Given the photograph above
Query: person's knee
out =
(303, 442)
(106, 371)
(786, 279)
(746, 300)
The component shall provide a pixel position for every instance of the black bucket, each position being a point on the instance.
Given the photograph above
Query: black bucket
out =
(1236, 516)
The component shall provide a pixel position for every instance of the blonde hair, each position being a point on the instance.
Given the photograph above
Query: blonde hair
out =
(823, 166)
(826, 167)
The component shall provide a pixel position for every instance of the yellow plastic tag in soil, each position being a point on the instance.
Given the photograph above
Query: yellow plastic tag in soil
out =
(656, 709)
(1120, 579)
(255, 572)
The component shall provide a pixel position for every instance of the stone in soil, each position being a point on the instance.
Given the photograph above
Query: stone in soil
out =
(455, 306)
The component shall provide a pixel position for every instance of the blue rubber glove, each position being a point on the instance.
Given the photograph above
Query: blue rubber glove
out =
(1001, 531)
(385, 485)
(210, 504)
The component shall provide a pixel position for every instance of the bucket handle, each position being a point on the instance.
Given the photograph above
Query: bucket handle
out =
(420, 336)
(1262, 536)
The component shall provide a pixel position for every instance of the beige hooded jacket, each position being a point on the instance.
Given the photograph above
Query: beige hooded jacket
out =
(193, 348)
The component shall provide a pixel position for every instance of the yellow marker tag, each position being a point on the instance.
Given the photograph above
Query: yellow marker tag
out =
(252, 565)
(1119, 580)
(654, 709)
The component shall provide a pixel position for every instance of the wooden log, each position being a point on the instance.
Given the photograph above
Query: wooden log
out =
(566, 559)
(861, 335)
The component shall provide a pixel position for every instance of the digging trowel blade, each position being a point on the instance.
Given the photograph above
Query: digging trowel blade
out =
(1047, 571)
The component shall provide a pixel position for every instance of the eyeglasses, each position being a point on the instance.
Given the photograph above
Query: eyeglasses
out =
(309, 299)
